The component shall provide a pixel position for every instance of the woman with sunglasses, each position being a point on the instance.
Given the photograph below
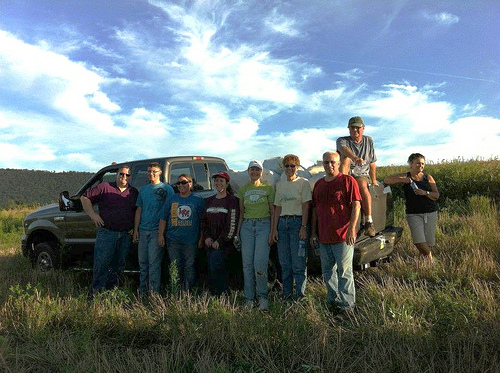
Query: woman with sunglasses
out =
(219, 224)
(256, 214)
(181, 218)
(292, 201)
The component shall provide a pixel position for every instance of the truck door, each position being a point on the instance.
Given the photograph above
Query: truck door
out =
(80, 229)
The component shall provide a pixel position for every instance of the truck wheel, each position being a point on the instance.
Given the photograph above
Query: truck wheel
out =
(46, 258)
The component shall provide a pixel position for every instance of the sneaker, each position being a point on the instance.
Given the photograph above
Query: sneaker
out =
(249, 304)
(263, 304)
(369, 229)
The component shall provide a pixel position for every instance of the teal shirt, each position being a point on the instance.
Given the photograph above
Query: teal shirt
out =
(151, 200)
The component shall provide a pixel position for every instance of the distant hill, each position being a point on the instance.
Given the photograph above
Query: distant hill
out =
(32, 187)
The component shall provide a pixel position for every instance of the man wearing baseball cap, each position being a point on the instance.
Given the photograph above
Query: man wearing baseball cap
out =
(358, 157)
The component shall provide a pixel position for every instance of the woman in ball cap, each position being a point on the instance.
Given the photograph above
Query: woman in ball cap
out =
(256, 215)
(219, 225)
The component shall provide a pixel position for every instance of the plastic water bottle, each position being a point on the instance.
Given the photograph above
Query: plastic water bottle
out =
(302, 248)
(413, 185)
(316, 246)
(237, 243)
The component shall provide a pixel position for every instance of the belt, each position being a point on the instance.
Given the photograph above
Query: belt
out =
(290, 216)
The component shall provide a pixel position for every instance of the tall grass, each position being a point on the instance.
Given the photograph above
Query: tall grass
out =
(457, 180)
(412, 316)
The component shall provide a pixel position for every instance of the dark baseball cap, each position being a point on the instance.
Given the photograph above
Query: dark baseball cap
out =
(356, 122)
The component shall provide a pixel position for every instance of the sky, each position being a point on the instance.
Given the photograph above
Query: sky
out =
(86, 83)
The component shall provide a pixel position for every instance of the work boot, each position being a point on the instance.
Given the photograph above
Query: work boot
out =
(369, 229)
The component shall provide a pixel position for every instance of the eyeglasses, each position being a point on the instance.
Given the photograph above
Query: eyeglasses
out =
(124, 174)
(329, 162)
(183, 182)
(290, 166)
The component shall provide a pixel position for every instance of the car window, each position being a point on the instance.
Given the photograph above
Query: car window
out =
(108, 177)
(213, 168)
(179, 168)
(201, 181)
(201, 173)
(140, 175)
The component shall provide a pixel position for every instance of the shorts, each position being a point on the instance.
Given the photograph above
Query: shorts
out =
(423, 227)
(363, 177)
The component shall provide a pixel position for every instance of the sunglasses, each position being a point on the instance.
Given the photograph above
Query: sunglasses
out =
(290, 166)
(183, 182)
(124, 174)
(328, 162)
(153, 172)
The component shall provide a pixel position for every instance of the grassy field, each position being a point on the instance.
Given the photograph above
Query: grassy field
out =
(412, 316)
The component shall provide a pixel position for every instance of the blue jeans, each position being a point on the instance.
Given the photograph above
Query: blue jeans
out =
(217, 269)
(293, 265)
(336, 264)
(184, 256)
(150, 257)
(254, 236)
(110, 251)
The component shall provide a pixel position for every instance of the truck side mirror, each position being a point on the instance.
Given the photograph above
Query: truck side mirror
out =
(65, 203)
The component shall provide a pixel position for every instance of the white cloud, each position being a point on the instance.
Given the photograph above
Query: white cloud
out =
(53, 81)
(102, 101)
(281, 24)
(353, 74)
(443, 18)
(472, 108)
(409, 105)
(221, 70)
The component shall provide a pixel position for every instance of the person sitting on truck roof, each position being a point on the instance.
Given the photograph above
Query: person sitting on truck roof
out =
(149, 204)
(116, 201)
(336, 205)
(357, 154)
(421, 194)
(181, 218)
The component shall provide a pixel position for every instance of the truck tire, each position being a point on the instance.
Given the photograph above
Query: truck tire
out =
(46, 257)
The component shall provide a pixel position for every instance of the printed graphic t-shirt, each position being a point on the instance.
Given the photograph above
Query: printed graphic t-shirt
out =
(256, 200)
(183, 216)
(151, 200)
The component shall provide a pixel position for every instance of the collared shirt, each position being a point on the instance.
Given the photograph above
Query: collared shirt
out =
(116, 208)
